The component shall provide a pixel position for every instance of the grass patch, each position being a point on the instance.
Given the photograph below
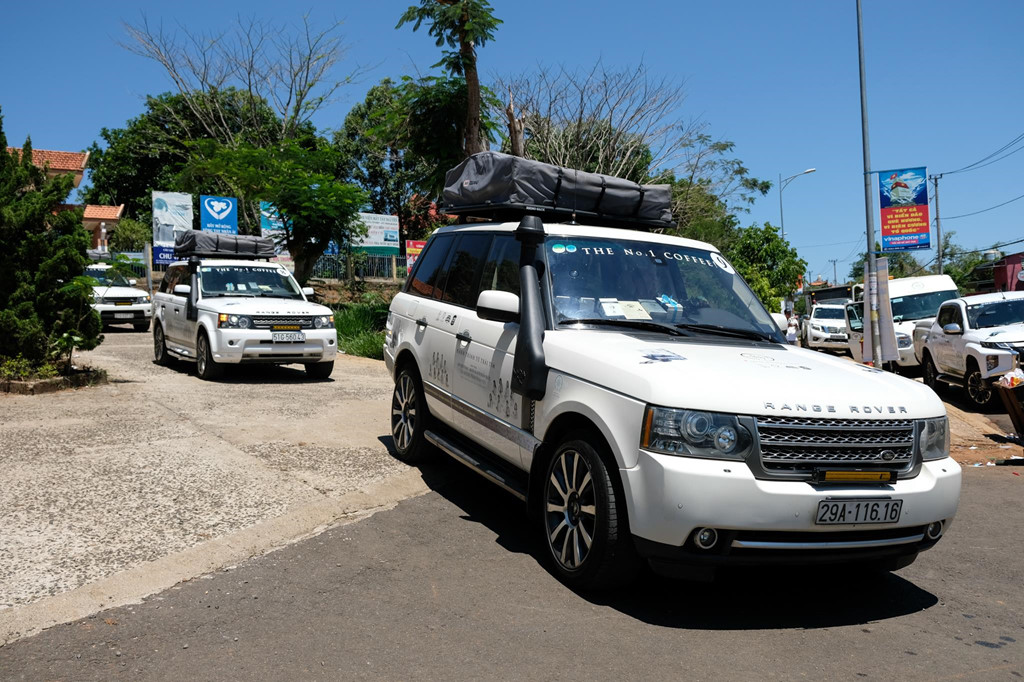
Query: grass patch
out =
(361, 328)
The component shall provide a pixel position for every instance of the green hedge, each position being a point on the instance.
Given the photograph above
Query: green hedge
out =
(361, 328)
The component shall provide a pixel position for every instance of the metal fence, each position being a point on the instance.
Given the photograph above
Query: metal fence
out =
(372, 267)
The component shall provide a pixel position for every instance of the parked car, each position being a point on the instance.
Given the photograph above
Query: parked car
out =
(826, 328)
(912, 300)
(117, 299)
(973, 341)
(225, 306)
(630, 388)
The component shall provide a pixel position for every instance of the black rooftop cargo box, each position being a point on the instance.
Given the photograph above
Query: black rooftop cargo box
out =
(502, 187)
(216, 245)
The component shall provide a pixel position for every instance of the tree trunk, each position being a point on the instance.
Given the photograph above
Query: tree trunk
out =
(304, 258)
(515, 128)
(474, 141)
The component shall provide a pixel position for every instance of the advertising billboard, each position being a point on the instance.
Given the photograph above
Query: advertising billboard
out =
(218, 214)
(413, 248)
(381, 238)
(903, 202)
(272, 226)
(172, 215)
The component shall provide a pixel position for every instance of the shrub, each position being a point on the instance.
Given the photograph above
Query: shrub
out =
(20, 368)
(361, 328)
(366, 344)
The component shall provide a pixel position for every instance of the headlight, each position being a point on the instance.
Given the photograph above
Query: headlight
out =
(233, 321)
(693, 433)
(904, 341)
(816, 327)
(996, 345)
(934, 438)
(323, 321)
(142, 299)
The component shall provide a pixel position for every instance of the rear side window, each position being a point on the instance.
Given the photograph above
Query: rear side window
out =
(501, 271)
(171, 278)
(427, 279)
(464, 269)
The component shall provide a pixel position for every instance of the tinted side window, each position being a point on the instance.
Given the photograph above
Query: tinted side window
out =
(171, 278)
(464, 270)
(501, 271)
(945, 316)
(425, 278)
(957, 317)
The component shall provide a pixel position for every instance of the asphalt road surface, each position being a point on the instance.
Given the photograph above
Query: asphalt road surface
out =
(450, 585)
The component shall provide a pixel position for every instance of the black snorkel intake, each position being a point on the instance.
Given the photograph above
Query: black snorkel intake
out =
(529, 371)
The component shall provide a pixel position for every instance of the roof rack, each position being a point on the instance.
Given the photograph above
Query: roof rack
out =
(216, 245)
(501, 187)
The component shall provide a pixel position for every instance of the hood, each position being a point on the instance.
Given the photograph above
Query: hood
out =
(739, 378)
(117, 292)
(1013, 333)
(263, 306)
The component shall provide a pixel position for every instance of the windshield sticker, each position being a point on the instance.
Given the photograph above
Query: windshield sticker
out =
(722, 263)
(241, 287)
(566, 248)
(633, 310)
(660, 355)
(612, 308)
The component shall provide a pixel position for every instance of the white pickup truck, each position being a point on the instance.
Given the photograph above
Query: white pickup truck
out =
(972, 342)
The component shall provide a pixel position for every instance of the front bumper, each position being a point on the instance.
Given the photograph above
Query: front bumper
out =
(761, 521)
(124, 314)
(817, 339)
(254, 346)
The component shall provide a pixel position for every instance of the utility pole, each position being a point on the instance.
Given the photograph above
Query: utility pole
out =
(835, 277)
(938, 223)
(869, 209)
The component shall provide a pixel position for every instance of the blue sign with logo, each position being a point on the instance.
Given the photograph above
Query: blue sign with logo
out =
(218, 214)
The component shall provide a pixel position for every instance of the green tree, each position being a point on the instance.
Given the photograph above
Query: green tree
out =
(42, 312)
(463, 25)
(901, 264)
(767, 262)
(130, 235)
(958, 262)
(316, 207)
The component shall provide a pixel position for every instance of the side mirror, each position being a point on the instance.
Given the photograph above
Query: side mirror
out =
(952, 329)
(499, 306)
(182, 289)
(132, 282)
(308, 291)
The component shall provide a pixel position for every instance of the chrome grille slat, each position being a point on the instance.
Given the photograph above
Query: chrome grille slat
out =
(264, 322)
(801, 443)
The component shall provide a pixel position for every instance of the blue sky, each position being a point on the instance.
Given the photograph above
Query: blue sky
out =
(777, 78)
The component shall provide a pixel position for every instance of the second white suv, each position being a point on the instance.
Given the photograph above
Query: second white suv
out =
(826, 328)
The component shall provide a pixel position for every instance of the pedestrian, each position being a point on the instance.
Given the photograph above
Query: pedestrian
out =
(792, 328)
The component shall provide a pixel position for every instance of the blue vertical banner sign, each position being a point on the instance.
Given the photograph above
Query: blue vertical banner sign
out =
(218, 214)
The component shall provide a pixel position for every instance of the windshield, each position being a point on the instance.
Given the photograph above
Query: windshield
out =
(828, 314)
(107, 277)
(624, 281)
(919, 306)
(247, 280)
(996, 313)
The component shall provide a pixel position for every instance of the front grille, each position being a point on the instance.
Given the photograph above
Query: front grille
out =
(800, 444)
(282, 321)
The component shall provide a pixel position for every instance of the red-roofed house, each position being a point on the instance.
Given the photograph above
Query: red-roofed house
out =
(99, 220)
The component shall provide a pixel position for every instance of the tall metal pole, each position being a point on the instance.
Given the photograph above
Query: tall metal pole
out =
(869, 208)
(938, 223)
(835, 277)
(782, 222)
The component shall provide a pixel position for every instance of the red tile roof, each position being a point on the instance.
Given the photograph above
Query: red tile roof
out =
(59, 161)
(93, 212)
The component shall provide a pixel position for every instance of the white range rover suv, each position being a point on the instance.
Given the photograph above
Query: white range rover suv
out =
(223, 306)
(117, 299)
(632, 390)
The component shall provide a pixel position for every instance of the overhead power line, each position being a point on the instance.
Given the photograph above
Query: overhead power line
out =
(981, 163)
(984, 210)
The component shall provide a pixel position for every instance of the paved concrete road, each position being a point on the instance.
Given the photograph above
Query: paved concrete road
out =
(448, 586)
(113, 492)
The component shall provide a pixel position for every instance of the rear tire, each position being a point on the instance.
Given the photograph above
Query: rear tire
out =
(141, 326)
(583, 519)
(319, 370)
(409, 418)
(160, 354)
(931, 375)
(206, 368)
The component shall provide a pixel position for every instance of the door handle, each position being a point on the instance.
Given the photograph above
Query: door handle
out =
(422, 322)
(464, 336)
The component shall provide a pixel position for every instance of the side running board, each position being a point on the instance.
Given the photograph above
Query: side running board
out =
(489, 470)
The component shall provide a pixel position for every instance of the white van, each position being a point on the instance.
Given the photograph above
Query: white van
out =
(912, 299)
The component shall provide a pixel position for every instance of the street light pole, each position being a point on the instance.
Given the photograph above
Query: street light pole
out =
(782, 186)
(871, 283)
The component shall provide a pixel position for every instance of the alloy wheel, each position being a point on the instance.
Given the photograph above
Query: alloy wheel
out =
(201, 354)
(403, 412)
(571, 509)
(158, 344)
(978, 389)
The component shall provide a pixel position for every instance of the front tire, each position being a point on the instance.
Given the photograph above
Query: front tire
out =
(206, 368)
(583, 519)
(409, 418)
(979, 391)
(320, 370)
(160, 354)
(141, 326)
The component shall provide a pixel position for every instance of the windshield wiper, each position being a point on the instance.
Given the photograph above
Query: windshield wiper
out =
(727, 331)
(230, 294)
(633, 324)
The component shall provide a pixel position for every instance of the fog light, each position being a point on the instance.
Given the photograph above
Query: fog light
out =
(991, 361)
(705, 538)
(934, 530)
